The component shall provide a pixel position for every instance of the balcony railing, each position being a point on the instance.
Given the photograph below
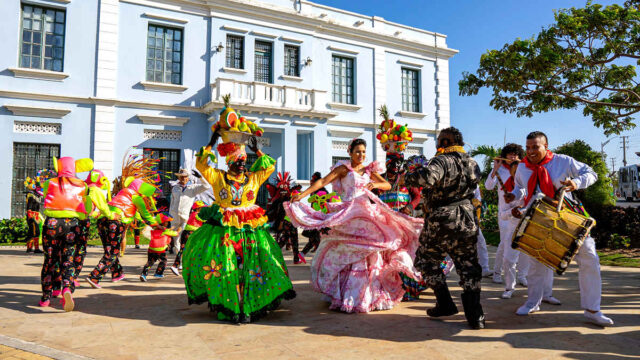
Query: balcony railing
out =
(269, 95)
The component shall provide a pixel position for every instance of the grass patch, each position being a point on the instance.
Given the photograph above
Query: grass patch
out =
(619, 259)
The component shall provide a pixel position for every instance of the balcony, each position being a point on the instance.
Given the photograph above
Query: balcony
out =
(263, 98)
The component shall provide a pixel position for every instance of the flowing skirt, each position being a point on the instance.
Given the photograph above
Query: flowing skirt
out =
(358, 262)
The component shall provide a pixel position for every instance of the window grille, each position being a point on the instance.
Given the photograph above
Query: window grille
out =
(235, 52)
(164, 55)
(343, 80)
(28, 158)
(335, 159)
(340, 145)
(29, 127)
(410, 90)
(291, 60)
(169, 165)
(167, 135)
(262, 64)
(42, 38)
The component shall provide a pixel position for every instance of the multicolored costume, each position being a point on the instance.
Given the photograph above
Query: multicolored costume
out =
(286, 233)
(232, 262)
(124, 205)
(35, 199)
(358, 262)
(398, 198)
(65, 207)
(160, 239)
(318, 200)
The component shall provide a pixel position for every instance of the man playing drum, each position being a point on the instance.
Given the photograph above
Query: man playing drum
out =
(543, 171)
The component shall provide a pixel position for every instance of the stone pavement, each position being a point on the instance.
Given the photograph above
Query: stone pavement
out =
(134, 320)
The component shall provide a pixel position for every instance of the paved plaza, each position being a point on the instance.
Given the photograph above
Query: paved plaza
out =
(134, 320)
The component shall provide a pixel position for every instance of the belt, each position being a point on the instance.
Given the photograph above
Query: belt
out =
(453, 203)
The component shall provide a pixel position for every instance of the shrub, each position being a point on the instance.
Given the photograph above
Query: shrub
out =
(489, 221)
(13, 230)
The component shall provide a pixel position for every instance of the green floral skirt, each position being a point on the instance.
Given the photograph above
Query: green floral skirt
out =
(240, 272)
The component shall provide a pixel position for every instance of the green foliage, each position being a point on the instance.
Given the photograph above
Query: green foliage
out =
(489, 221)
(13, 230)
(585, 59)
(489, 152)
(600, 193)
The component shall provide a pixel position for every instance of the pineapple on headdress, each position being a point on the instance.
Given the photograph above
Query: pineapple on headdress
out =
(393, 137)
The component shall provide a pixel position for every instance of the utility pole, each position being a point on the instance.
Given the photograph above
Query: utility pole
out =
(613, 164)
(624, 149)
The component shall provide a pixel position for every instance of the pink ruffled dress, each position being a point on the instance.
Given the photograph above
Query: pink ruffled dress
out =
(358, 262)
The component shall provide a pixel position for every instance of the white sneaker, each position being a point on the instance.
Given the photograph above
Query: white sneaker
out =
(507, 294)
(525, 310)
(179, 267)
(487, 273)
(551, 300)
(497, 278)
(175, 270)
(523, 282)
(598, 318)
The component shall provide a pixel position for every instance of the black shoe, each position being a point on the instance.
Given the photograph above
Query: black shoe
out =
(444, 303)
(472, 309)
(29, 250)
(38, 251)
(137, 246)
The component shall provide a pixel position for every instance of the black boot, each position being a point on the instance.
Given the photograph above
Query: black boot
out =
(444, 303)
(472, 309)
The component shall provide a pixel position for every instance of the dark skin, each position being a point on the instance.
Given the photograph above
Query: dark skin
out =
(237, 167)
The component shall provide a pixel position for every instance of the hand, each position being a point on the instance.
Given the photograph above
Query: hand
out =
(570, 185)
(401, 180)
(196, 174)
(296, 197)
(253, 144)
(371, 186)
(214, 138)
(516, 213)
(405, 210)
(509, 197)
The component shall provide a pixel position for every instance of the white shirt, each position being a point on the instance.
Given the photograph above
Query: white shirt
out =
(504, 209)
(560, 168)
(182, 199)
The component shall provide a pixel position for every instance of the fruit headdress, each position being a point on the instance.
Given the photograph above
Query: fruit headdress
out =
(235, 131)
(393, 137)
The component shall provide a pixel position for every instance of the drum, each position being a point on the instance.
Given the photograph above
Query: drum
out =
(550, 235)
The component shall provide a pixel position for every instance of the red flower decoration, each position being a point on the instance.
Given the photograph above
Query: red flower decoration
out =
(250, 195)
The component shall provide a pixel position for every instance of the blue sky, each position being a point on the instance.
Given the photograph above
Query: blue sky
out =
(473, 27)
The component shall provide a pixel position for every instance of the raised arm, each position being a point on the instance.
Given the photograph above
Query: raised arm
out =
(336, 173)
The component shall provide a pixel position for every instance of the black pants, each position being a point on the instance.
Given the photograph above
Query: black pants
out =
(184, 237)
(288, 234)
(314, 239)
(111, 233)
(151, 259)
(59, 242)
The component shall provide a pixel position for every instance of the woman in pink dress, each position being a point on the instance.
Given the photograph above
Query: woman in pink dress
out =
(358, 262)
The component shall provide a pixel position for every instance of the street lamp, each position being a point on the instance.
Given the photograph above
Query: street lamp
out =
(602, 147)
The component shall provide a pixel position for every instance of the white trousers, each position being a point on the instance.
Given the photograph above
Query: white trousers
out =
(483, 253)
(588, 278)
(512, 258)
(522, 263)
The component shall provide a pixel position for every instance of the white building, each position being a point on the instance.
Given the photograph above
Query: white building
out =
(91, 78)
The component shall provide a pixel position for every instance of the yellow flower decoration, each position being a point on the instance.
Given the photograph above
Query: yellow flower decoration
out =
(213, 270)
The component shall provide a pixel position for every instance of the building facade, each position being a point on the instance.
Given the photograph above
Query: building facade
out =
(93, 78)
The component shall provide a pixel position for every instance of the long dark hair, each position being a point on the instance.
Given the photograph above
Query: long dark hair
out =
(354, 143)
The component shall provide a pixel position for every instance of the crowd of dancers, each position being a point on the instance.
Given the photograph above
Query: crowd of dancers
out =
(383, 235)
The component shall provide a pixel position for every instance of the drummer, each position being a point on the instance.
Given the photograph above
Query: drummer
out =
(543, 171)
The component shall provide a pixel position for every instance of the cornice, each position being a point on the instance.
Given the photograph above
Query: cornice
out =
(34, 111)
(162, 120)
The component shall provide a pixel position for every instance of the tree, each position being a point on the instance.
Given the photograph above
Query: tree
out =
(600, 193)
(489, 152)
(586, 59)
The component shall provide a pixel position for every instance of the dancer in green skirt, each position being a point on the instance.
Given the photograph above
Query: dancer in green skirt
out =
(231, 261)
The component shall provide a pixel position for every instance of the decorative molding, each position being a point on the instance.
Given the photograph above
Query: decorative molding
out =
(29, 127)
(234, 29)
(409, 63)
(341, 106)
(165, 18)
(411, 114)
(264, 141)
(234, 70)
(288, 39)
(163, 120)
(412, 150)
(342, 50)
(274, 121)
(38, 74)
(23, 110)
(261, 34)
(157, 86)
(165, 135)
(339, 145)
(344, 132)
(304, 123)
(421, 137)
(291, 78)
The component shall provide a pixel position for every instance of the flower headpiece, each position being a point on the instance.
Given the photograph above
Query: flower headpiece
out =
(393, 137)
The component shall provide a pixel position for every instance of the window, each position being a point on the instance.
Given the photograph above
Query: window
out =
(235, 52)
(169, 164)
(164, 55)
(262, 64)
(305, 156)
(410, 90)
(291, 60)
(343, 80)
(42, 42)
(27, 160)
